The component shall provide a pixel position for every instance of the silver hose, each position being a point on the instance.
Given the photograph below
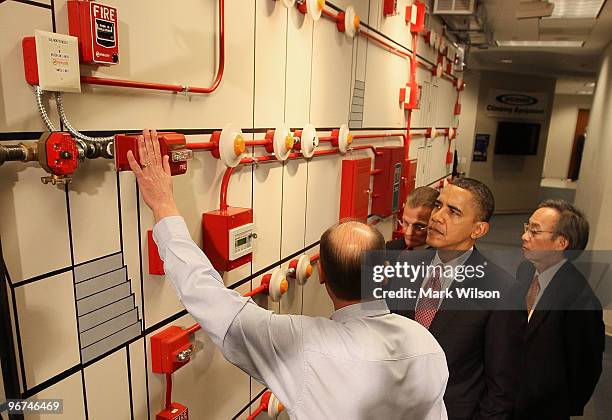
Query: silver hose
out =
(89, 146)
(76, 133)
(41, 108)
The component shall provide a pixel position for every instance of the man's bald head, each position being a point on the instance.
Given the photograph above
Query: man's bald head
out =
(342, 246)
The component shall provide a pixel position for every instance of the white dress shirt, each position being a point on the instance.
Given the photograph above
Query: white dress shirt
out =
(446, 281)
(363, 363)
(544, 278)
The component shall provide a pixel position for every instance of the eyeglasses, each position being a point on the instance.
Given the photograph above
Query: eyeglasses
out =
(534, 232)
(418, 227)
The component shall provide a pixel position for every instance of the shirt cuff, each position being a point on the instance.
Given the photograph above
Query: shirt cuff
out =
(169, 227)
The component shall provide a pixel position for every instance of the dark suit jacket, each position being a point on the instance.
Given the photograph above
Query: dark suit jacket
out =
(483, 345)
(396, 245)
(564, 346)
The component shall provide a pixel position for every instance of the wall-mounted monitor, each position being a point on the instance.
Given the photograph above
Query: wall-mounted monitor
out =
(515, 138)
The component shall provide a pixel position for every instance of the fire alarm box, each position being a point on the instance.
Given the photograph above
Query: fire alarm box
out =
(386, 186)
(228, 237)
(415, 16)
(172, 144)
(355, 189)
(457, 110)
(390, 7)
(171, 349)
(409, 96)
(95, 25)
(175, 411)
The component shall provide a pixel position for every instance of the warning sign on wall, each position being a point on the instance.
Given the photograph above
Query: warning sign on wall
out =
(512, 104)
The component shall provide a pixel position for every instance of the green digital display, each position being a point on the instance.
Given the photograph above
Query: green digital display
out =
(242, 241)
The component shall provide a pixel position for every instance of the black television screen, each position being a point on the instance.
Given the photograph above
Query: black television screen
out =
(517, 138)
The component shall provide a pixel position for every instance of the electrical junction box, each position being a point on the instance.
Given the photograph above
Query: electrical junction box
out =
(387, 184)
(95, 25)
(51, 61)
(228, 237)
(355, 189)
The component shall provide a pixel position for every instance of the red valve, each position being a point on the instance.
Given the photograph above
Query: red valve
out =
(58, 153)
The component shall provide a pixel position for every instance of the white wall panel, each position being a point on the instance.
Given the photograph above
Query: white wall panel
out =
(108, 393)
(271, 35)
(331, 76)
(48, 327)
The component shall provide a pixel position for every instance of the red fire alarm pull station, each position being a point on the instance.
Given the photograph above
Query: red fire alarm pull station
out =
(172, 144)
(386, 187)
(96, 27)
(355, 189)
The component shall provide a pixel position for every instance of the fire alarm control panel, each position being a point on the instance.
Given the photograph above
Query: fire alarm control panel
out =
(228, 237)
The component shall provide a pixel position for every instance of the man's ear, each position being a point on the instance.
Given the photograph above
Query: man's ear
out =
(561, 243)
(322, 279)
(480, 230)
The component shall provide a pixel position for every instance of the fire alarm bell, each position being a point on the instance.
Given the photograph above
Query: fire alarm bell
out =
(96, 27)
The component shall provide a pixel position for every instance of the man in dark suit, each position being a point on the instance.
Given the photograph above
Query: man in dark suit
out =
(564, 341)
(415, 218)
(482, 343)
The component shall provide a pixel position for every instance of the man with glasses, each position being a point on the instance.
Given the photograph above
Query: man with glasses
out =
(415, 218)
(564, 340)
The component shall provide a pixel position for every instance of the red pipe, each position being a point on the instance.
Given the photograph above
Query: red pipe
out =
(374, 136)
(93, 80)
(257, 412)
(386, 45)
(257, 142)
(201, 146)
(376, 172)
(327, 138)
(194, 328)
(168, 390)
(256, 290)
(329, 15)
(224, 186)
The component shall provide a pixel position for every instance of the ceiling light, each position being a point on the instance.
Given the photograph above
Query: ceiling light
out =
(577, 9)
(590, 84)
(506, 61)
(538, 44)
(585, 92)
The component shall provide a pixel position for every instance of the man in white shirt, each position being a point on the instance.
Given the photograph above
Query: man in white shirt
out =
(363, 363)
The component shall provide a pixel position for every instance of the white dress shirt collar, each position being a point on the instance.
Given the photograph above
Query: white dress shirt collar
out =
(455, 262)
(366, 309)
